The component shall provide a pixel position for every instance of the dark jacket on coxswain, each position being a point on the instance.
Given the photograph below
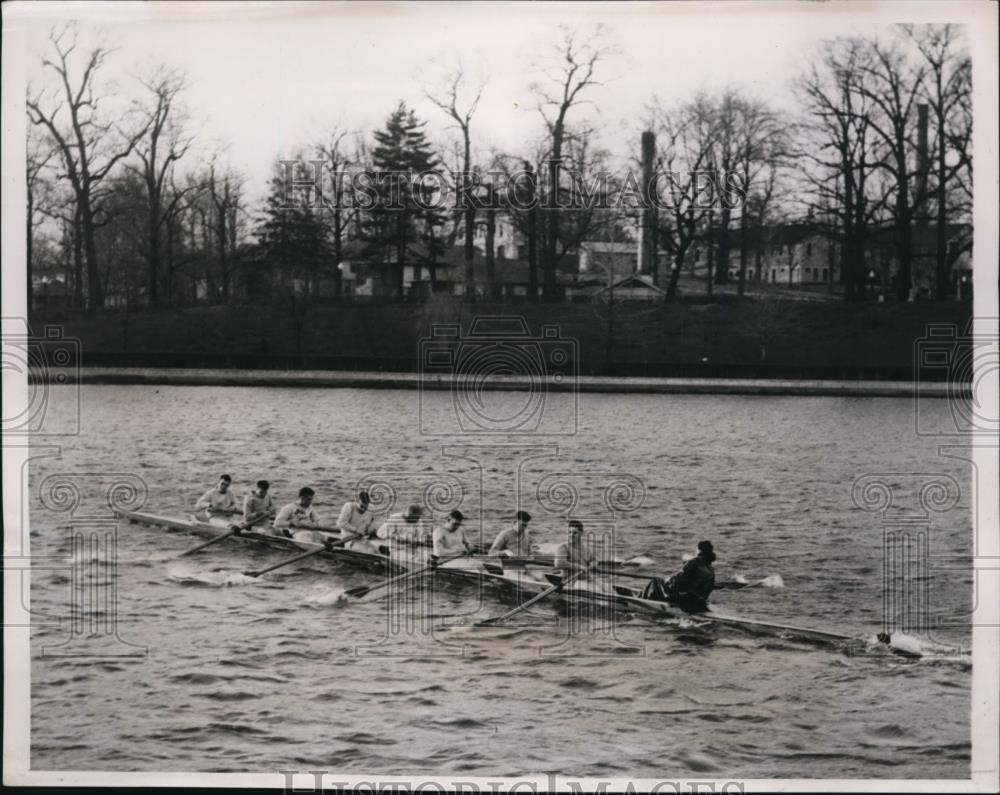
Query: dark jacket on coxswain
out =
(690, 588)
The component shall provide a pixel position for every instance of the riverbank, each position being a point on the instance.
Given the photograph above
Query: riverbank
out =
(372, 380)
(771, 339)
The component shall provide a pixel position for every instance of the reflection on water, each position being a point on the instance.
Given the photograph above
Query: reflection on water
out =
(283, 672)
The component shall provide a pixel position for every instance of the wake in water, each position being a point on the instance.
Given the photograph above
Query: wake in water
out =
(771, 581)
(325, 596)
(184, 573)
(86, 556)
(913, 647)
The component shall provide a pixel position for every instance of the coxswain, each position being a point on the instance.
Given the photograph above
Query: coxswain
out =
(355, 519)
(258, 506)
(573, 554)
(298, 520)
(690, 588)
(449, 538)
(514, 541)
(218, 501)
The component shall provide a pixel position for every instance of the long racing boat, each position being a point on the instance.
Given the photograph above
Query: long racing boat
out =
(508, 579)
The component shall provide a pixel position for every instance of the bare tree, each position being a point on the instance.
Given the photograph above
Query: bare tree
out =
(448, 91)
(158, 151)
(893, 87)
(687, 134)
(761, 145)
(339, 160)
(569, 71)
(947, 90)
(225, 193)
(89, 145)
(38, 156)
(835, 148)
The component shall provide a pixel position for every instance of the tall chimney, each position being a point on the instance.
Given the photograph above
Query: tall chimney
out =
(647, 234)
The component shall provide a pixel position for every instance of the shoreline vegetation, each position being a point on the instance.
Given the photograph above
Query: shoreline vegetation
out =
(748, 347)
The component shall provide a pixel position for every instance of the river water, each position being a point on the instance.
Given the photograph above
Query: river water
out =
(193, 666)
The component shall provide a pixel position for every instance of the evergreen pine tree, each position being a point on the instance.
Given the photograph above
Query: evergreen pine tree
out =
(400, 215)
(292, 240)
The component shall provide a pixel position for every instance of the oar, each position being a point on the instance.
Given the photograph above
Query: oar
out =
(364, 590)
(327, 545)
(236, 529)
(233, 530)
(536, 598)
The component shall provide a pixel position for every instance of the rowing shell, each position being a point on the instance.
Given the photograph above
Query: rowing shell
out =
(522, 579)
(393, 557)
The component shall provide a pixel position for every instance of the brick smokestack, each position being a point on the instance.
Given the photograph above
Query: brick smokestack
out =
(647, 233)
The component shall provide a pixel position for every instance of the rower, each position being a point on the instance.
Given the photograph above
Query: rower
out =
(449, 539)
(515, 541)
(690, 588)
(355, 519)
(218, 501)
(258, 506)
(573, 554)
(297, 519)
(406, 527)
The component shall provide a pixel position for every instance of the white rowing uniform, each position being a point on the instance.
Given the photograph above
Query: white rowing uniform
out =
(570, 555)
(354, 522)
(214, 501)
(396, 528)
(255, 505)
(449, 542)
(514, 543)
(295, 514)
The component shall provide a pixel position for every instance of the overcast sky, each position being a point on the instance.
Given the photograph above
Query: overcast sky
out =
(267, 79)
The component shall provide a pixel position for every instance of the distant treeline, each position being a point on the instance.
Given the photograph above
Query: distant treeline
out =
(128, 210)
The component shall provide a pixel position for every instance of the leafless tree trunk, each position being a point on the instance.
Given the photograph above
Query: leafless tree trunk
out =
(38, 157)
(893, 88)
(949, 88)
(838, 143)
(89, 147)
(338, 160)
(158, 151)
(569, 73)
(686, 132)
(449, 99)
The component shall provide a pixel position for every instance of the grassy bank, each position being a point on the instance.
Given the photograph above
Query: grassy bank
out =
(729, 337)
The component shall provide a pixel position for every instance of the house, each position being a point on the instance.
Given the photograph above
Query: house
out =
(508, 242)
(511, 276)
(50, 293)
(609, 257)
(782, 254)
(633, 287)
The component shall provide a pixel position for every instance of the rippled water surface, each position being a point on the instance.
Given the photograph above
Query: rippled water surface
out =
(285, 673)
